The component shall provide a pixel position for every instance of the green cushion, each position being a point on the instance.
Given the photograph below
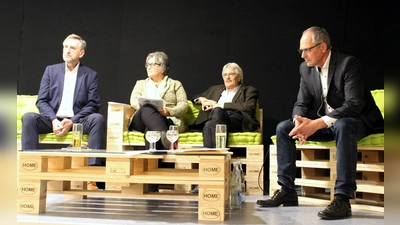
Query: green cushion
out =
(379, 97)
(239, 138)
(25, 103)
(192, 113)
(373, 140)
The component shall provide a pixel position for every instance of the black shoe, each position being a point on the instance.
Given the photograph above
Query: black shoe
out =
(195, 190)
(338, 209)
(280, 197)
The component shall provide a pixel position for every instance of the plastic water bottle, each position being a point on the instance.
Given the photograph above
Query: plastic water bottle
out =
(235, 197)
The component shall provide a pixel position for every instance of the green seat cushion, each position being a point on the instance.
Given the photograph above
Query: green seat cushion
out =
(239, 138)
(133, 137)
(66, 138)
(373, 140)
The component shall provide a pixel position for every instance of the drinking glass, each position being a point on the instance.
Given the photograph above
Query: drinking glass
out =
(152, 137)
(172, 136)
(175, 144)
(77, 131)
(220, 136)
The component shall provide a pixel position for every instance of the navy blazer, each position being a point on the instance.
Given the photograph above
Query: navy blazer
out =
(347, 91)
(245, 101)
(86, 95)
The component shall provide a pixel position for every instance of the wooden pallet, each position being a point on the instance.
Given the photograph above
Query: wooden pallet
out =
(318, 175)
(36, 168)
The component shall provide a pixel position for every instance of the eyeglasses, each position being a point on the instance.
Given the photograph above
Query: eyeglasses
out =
(307, 50)
(151, 64)
(229, 74)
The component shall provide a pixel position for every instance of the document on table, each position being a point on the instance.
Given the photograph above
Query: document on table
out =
(158, 103)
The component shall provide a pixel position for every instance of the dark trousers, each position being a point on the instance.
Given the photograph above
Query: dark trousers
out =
(34, 124)
(148, 118)
(233, 120)
(346, 132)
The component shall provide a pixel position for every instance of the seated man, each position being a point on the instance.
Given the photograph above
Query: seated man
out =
(68, 94)
(333, 83)
(231, 103)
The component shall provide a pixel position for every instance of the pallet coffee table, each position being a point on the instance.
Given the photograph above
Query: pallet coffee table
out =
(131, 171)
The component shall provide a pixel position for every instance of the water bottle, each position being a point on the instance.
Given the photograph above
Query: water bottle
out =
(235, 197)
(242, 180)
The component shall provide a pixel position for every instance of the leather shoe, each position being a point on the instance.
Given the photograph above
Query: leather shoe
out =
(280, 197)
(338, 209)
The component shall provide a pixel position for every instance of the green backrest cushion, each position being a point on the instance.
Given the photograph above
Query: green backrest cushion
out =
(379, 97)
(194, 110)
(192, 113)
(25, 103)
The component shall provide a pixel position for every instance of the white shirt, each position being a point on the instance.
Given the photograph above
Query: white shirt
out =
(67, 100)
(227, 96)
(329, 121)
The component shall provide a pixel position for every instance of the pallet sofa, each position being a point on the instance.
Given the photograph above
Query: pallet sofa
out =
(317, 162)
(246, 146)
(27, 103)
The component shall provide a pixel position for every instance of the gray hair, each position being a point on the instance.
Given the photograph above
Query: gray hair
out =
(319, 35)
(237, 69)
(79, 38)
(162, 58)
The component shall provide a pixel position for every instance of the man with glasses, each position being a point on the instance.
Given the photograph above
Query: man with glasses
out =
(332, 82)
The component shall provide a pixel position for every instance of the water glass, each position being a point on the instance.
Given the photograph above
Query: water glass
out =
(220, 136)
(172, 136)
(152, 137)
(174, 145)
(77, 132)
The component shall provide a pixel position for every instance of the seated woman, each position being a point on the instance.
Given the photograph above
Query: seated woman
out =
(158, 85)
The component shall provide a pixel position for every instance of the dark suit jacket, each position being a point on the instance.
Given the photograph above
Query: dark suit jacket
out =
(245, 100)
(86, 96)
(347, 91)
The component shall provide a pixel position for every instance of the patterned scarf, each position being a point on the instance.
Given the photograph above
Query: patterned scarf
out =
(155, 92)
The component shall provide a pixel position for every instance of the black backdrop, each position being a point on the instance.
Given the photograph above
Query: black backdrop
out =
(199, 36)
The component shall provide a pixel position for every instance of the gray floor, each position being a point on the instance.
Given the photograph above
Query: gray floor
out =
(112, 210)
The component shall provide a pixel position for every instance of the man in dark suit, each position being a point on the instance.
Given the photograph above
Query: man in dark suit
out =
(68, 94)
(335, 84)
(231, 103)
